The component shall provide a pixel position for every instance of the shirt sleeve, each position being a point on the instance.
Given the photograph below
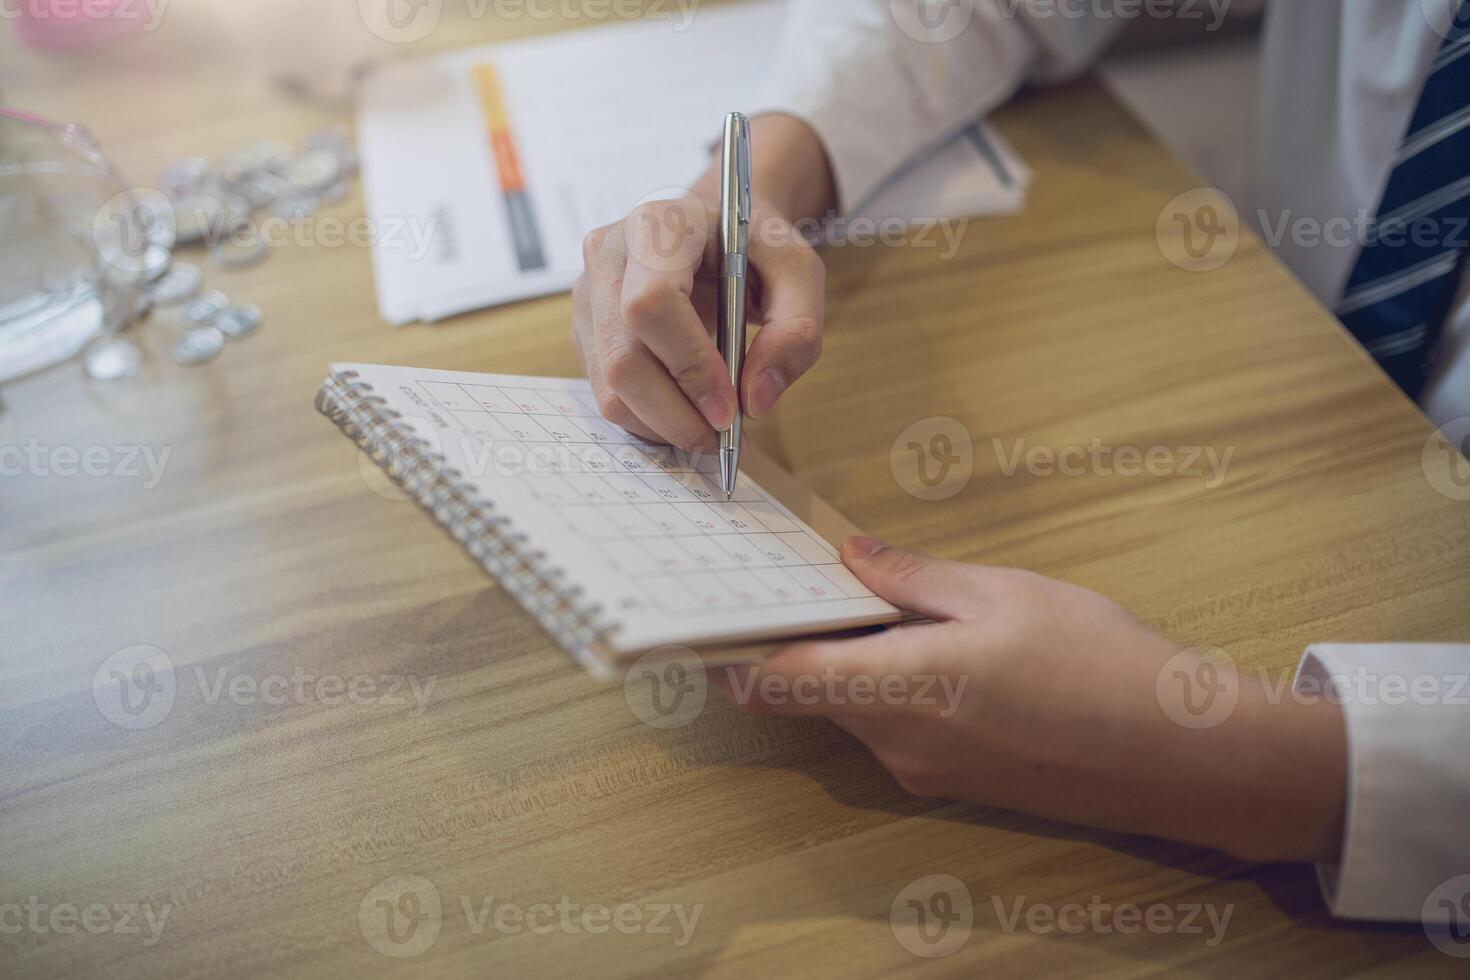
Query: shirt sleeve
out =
(1406, 708)
(882, 80)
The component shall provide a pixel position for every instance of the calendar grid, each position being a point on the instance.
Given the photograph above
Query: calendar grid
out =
(648, 511)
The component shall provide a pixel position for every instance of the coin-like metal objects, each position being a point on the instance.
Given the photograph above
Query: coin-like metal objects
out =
(113, 358)
(238, 321)
(199, 346)
(181, 282)
(202, 310)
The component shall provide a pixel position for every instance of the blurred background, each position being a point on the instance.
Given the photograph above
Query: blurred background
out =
(131, 75)
(313, 47)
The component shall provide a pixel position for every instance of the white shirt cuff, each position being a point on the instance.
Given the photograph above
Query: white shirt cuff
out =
(1406, 708)
(878, 96)
(882, 81)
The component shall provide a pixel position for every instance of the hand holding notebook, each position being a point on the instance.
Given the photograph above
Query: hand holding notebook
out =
(617, 546)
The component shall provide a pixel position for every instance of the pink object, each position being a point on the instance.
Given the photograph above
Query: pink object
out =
(77, 25)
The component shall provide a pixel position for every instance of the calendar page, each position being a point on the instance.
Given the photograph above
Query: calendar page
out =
(641, 529)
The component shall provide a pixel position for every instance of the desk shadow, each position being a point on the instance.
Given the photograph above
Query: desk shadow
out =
(850, 775)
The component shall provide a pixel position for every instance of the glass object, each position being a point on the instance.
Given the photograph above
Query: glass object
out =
(76, 243)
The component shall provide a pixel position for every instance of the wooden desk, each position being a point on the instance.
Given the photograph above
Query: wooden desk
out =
(263, 554)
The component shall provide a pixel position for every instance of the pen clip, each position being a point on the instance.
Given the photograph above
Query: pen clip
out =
(744, 168)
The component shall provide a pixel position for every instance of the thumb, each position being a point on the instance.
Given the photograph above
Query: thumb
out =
(936, 588)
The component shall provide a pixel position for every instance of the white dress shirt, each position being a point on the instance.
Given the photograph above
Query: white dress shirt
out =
(1341, 80)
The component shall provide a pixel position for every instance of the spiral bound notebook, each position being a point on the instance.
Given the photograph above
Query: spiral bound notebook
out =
(617, 546)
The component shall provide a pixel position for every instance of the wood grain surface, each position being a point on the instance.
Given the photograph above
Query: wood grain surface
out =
(263, 817)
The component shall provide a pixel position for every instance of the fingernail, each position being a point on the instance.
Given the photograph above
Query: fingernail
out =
(766, 392)
(717, 412)
(863, 546)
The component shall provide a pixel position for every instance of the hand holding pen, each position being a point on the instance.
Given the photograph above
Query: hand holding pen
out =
(645, 304)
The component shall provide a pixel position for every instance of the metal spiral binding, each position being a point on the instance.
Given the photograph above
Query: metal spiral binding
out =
(490, 539)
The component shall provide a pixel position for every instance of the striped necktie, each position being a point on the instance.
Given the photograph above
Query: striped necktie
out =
(1401, 290)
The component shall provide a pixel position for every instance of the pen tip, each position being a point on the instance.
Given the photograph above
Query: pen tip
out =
(727, 472)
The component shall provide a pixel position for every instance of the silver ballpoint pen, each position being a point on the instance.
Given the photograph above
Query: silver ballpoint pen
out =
(730, 329)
